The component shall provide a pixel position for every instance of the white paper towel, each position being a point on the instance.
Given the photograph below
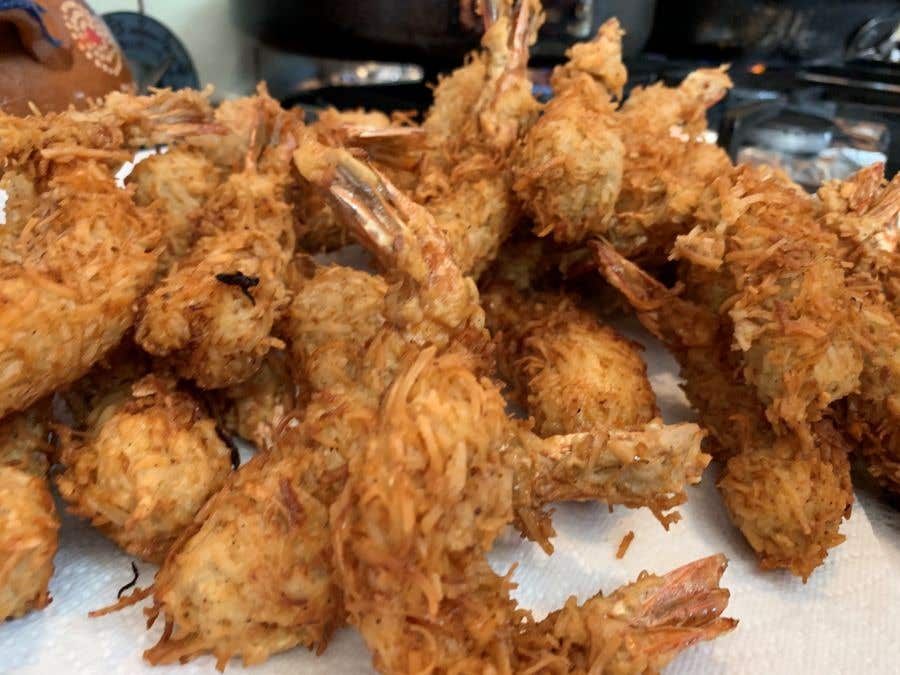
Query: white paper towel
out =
(846, 619)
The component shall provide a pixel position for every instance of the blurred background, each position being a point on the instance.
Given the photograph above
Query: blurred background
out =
(817, 83)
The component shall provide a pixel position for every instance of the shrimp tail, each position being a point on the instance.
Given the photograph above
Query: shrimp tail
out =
(677, 322)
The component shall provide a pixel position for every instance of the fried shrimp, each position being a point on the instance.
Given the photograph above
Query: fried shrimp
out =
(254, 408)
(390, 144)
(425, 306)
(175, 184)
(568, 168)
(211, 318)
(251, 575)
(633, 173)
(667, 166)
(69, 284)
(479, 113)
(28, 520)
(431, 303)
(785, 294)
(639, 628)
(787, 496)
(863, 212)
(424, 501)
(237, 127)
(568, 371)
(573, 375)
(147, 461)
(872, 414)
(77, 253)
(789, 501)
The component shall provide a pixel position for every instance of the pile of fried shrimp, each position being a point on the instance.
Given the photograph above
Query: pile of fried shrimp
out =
(144, 328)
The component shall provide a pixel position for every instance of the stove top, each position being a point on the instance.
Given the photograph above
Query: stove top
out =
(815, 121)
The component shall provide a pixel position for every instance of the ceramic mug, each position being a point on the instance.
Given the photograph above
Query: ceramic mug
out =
(56, 53)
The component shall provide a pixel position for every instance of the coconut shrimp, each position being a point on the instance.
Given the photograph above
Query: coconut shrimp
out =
(667, 166)
(638, 628)
(70, 283)
(633, 174)
(146, 462)
(238, 127)
(107, 131)
(568, 371)
(424, 501)
(786, 495)
(479, 113)
(432, 304)
(28, 520)
(763, 261)
(77, 253)
(864, 212)
(348, 369)
(390, 143)
(568, 168)
(872, 414)
(573, 375)
(254, 408)
(175, 184)
(251, 575)
(223, 586)
(211, 318)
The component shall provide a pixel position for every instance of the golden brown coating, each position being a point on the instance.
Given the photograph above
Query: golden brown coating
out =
(392, 145)
(863, 212)
(479, 113)
(872, 414)
(108, 131)
(335, 312)
(667, 166)
(431, 303)
(69, 284)
(789, 502)
(390, 327)
(663, 182)
(645, 467)
(633, 174)
(432, 300)
(425, 498)
(572, 375)
(175, 184)
(254, 408)
(568, 168)
(82, 253)
(569, 372)
(239, 125)
(28, 520)
(28, 541)
(147, 461)
(211, 318)
(639, 628)
(786, 493)
(786, 296)
(251, 576)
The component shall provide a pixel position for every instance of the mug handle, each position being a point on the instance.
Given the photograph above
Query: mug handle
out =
(43, 38)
